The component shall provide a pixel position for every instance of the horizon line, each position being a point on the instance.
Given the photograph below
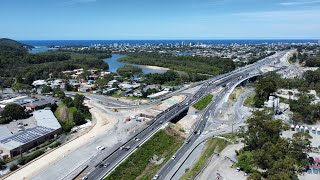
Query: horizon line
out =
(316, 39)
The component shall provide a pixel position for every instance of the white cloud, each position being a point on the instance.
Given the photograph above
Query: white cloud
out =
(296, 3)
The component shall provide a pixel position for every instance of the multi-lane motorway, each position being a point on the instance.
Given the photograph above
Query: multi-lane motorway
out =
(115, 158)
(199, 129)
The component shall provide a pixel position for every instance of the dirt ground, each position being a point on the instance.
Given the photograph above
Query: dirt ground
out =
(219, 165)
(103, 123)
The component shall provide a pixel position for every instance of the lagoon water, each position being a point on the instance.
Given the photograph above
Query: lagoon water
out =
(40, 49)
(114, 64)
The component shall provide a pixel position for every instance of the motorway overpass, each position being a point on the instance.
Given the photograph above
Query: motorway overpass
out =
(117, 156)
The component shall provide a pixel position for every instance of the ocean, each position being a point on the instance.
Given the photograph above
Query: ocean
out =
(141, 42)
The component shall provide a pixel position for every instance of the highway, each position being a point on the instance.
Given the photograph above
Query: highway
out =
(199, 129)
(115, 158)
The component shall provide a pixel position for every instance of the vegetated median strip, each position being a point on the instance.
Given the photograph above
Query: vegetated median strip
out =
(211, 145)
(203, 103)
(149, 158)
(249, 101)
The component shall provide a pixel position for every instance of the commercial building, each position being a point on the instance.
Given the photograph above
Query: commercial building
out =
(47, 126)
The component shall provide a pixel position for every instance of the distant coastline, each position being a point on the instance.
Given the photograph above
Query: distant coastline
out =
(141, 42)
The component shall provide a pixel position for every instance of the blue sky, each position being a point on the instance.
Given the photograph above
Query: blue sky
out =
(159, 19)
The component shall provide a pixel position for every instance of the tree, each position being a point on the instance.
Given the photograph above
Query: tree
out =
(1, 88)
(54, 107)
(14, 111)
(265, 87)
(58, 93)
(46, 89)
(115, 85)
(2, 165)
(254, 176)
(68, 87)
(101, 82)
(78, 118)
(279, 158)
(68, 101)
(21, 87)
(129, 70)
(262, 129)
(13, 167)
(78, 101)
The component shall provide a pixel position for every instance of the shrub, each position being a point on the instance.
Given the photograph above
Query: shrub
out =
(13, 167)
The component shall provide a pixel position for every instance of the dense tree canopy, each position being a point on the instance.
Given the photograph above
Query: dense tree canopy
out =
(13, 111)
(18, 62)
(78, 118)
(129, 70)
(264, 87)
(303, 110)
(265, 149)
(203, 65)
(78, 101)
(46, 89)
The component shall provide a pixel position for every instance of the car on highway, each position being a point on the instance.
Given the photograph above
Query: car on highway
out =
(187, 142)
(173, 157)
(127, 148)
(155, 177)
(106, 165)
(136, 139)
(100, 148)
(199, 132)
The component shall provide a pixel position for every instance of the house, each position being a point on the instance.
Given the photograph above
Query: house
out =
(39, 83)
(110, 83)
(153, 86)
(126, 92)
(109, 91)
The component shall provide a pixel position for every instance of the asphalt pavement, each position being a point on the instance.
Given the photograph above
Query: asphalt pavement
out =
(115, 158)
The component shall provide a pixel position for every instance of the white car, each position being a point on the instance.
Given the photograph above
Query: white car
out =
(173, 157)
(156, 177)
(100, 148)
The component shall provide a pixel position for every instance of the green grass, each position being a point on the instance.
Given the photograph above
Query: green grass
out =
(203, 103)
(116, 94)
(249, 101)
(68, 123)
(57, 112)
(211, 146)
(231, 136)
(136, 98)
(71, 111)
(137, 166)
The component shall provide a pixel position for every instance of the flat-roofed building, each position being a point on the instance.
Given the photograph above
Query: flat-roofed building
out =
(47, 126)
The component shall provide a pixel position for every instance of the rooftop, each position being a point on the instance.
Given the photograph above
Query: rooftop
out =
(4, 132)
(46, 118)
(24, 137)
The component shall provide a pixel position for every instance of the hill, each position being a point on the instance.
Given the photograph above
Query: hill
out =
(12, 45)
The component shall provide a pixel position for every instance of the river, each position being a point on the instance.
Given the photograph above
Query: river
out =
(114, 64)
